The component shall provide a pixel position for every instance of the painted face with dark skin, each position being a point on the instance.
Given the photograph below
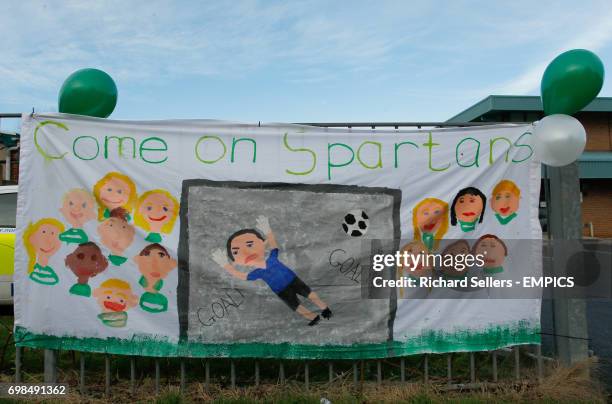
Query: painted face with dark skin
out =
(469, 208)
(249, 250)
(86, 261)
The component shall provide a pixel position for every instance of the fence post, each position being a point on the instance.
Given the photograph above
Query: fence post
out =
(50, 366)
(132, 375)
(449, 371)
(156, 376)
(82, 375)
(517, 363)
(183, 381)
(361, 376)
(472, 368)
(207, 375)
(402, 370)
(233, 373)
(256, 373)
(426, 368)
(18, 364)
(539, 361)
(281, 373)
(494, 364)
(107, 375)
(565, 223)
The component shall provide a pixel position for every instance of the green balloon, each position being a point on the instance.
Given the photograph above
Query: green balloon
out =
(571, 81)
(89, 92)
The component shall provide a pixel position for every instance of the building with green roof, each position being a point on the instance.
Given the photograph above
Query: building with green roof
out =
(595, 163)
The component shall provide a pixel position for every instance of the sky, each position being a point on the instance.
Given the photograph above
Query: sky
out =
(293, 61)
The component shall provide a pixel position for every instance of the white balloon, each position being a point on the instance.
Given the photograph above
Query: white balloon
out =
(558, 140)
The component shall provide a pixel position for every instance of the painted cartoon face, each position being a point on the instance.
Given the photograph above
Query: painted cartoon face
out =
(429, 216)
(45, 240)
(248, 250)
(469, 208)
(86, 261)
(78, 208)
(493, 250)
(457, 248)
(116, 234)
(414, 249)
(157, 209)
(115, 299)
(460, 247)
(114, 193)
(505, 203)
(154, 263)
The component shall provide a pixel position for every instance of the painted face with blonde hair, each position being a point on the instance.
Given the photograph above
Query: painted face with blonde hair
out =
(429, 216)
(45, 241)
(78, 207)
(114, 193)
(115, 297)
(157, 210)
(505, 202)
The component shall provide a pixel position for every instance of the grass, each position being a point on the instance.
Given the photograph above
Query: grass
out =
(560, 384)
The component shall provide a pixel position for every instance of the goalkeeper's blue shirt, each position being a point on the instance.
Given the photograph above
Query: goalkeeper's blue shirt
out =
(276, 274)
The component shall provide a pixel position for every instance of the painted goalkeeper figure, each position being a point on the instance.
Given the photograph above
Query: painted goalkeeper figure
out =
(247, 248)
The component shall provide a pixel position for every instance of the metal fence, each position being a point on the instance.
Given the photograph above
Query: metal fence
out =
(472, 377)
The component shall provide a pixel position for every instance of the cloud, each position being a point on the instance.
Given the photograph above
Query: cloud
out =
(147, 40)
(410, 50)
(597, 35)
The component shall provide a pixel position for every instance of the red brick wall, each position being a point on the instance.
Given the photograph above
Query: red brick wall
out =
(597, 193)
(597, 125)
(596, 207)
(14, 165)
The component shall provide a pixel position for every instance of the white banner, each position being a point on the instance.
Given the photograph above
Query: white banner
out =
(210, 238)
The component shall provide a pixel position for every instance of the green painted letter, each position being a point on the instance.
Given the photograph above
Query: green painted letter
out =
(476, 157)
(430, 144)
(329, 162)
(159, 146)
(397, 146)
(74, 149)
(42, 152)
(379, 162)
(197, 152)
(120, 141)
(492, 142)
(300, 149)
(517, 144)
(245, 139)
